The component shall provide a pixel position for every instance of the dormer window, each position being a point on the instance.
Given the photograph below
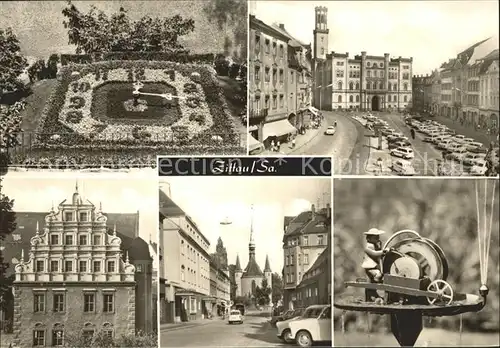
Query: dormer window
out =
(68, 216)
(84, 216)
(54, 239)
(83, 240)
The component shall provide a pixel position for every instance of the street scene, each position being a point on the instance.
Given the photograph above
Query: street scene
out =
(105, 84)
(325, 87)
(427, 246)
(79, 261)
(253, 270)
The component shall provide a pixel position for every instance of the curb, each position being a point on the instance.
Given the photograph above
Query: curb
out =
(304, 144)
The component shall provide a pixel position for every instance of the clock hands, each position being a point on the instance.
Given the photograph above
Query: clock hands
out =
(138, 85)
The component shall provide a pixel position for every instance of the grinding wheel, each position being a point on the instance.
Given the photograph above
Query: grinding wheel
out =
(406, 267)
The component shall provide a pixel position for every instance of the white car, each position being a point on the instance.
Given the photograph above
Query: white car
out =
(403, 152)
(330, 130)
(403, 167)
(315, 325)
(283, 327)
(235, 317)
(479, 168)
(471, 158)
(459, 154)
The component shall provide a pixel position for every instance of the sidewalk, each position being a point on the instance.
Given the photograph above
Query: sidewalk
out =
(187, 324)
(371, 164)
(300, 141)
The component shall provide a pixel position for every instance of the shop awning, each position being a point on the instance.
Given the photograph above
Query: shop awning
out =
(278, 128)
(254, 144)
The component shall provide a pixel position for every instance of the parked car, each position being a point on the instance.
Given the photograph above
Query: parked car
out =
(399, 143)
(473, 145)
(314, 326)
(235, 316)
(471, 158)
(330, 130)
(284, 316)
(403, 167)
(479, 168)
(403, 152)
(284, 332)
(459, 154)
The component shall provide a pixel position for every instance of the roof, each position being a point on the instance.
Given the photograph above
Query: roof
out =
(287, 220)
(304, 224)
(257, 23)
(26, 229)
(252, 269)
(237, 267)
(476, 51)
(267, 266)
(293, 41)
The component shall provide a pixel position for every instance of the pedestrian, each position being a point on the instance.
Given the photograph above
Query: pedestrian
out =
(379, 165)
(278, 146)
(335, 124)
(293, 143)
(412, 133)
(272, 145)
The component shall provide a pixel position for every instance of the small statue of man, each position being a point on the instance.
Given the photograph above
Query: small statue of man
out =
(371, 261)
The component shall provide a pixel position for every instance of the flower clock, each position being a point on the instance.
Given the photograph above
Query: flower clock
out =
(136, 104)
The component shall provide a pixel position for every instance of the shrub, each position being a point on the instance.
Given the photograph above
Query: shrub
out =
(102, 341)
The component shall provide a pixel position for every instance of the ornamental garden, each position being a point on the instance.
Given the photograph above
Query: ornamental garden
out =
(180, 107)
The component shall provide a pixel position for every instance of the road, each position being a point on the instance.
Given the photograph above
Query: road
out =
(254, 332)
(425, 153)
(339, 145)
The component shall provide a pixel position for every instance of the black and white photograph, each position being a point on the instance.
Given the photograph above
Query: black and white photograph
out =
(386, 87)
(245, 262)
(116, 83)
(79, 259)
(416, 262)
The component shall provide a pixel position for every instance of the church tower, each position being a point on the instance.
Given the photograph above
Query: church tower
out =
(320, 33)
(268, 274)
(238, 272)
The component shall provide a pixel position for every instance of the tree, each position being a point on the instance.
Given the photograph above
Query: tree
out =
(233, 285)
(231, 13)
(95, 32)
(277, 288)
(262, 293)
(52, 66)
(7, 226)
(12, 63)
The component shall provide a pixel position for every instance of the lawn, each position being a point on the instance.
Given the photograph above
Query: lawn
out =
(428, 338)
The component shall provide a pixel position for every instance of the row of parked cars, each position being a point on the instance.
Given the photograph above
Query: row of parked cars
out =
(455, 147)
(305, 326)
(399, 145)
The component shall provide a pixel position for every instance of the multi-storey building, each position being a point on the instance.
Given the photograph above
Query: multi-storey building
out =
(363, 82)
(435, 92)
(305, 239)
(185, 274)
(78, 279)
(422, 93)
(220, 287)
(489, 92)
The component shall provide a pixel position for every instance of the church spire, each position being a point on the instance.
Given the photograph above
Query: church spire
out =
(251, 245)
(267, 267)
(237, 268)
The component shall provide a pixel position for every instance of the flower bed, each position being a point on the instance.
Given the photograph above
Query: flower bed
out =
(89, 109)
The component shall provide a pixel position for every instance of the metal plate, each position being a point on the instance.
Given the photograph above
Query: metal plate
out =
(405, 267)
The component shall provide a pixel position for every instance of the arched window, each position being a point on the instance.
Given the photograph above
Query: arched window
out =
(405, 86)
(351, 86)
(381, 85)
(368, 85)
(357, 98)
(395, 98)
(405, 98)
(395, 87)
(351, 99)
(389, 98)
(339, 99)
(389, 86)
(357, 85)
(254, 287)
(340, 85)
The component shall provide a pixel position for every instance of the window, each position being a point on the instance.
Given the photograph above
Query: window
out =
(282, 51)
(275, 76)
(368, 85)
(282, 101)
(108, 333)
(83, 266)
(39, 265)
(306, 238)
(368, 73)
(57, 338)
(381, 73)
(357, 98)
(39, 338)
(87, 335)
(111, 266)
(322, 51)
(395, 98)
(267, 76)
(357, 85)
(405, 86)
(368, 63)
(287, 260)
(340, 85)
(351, 86)
(266, 101)
(108, 303)
(39, 303)
(88, 303)
(389, 98)
(68, 266)
(282, 76)
(257, 73)
(306, 259)
(97, 266)
(182, 274)
(405, 98)
(374, 85)
(68, 239)
(320, 240)
(339, 99)
(381, 85)
(54, 266)
(84, 216)
(389, 86)
(291, 76)
(83, 240)
(68, 216)
(267, 46)
(395, 87)
(138, 268)
(58, 303)
(54, 239)
(97, 240)
(351, 99)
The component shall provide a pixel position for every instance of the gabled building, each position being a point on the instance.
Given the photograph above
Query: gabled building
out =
(78, 275)
(422, 93)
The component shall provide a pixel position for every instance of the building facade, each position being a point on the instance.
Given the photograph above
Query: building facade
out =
(305, 239)
(362, 82)
(185, 274)
(489, 92)
(75, 281)
(220, 287)
(422, 93)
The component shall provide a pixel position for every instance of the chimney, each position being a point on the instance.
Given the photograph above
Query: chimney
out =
(282, 26)
(313, 212)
